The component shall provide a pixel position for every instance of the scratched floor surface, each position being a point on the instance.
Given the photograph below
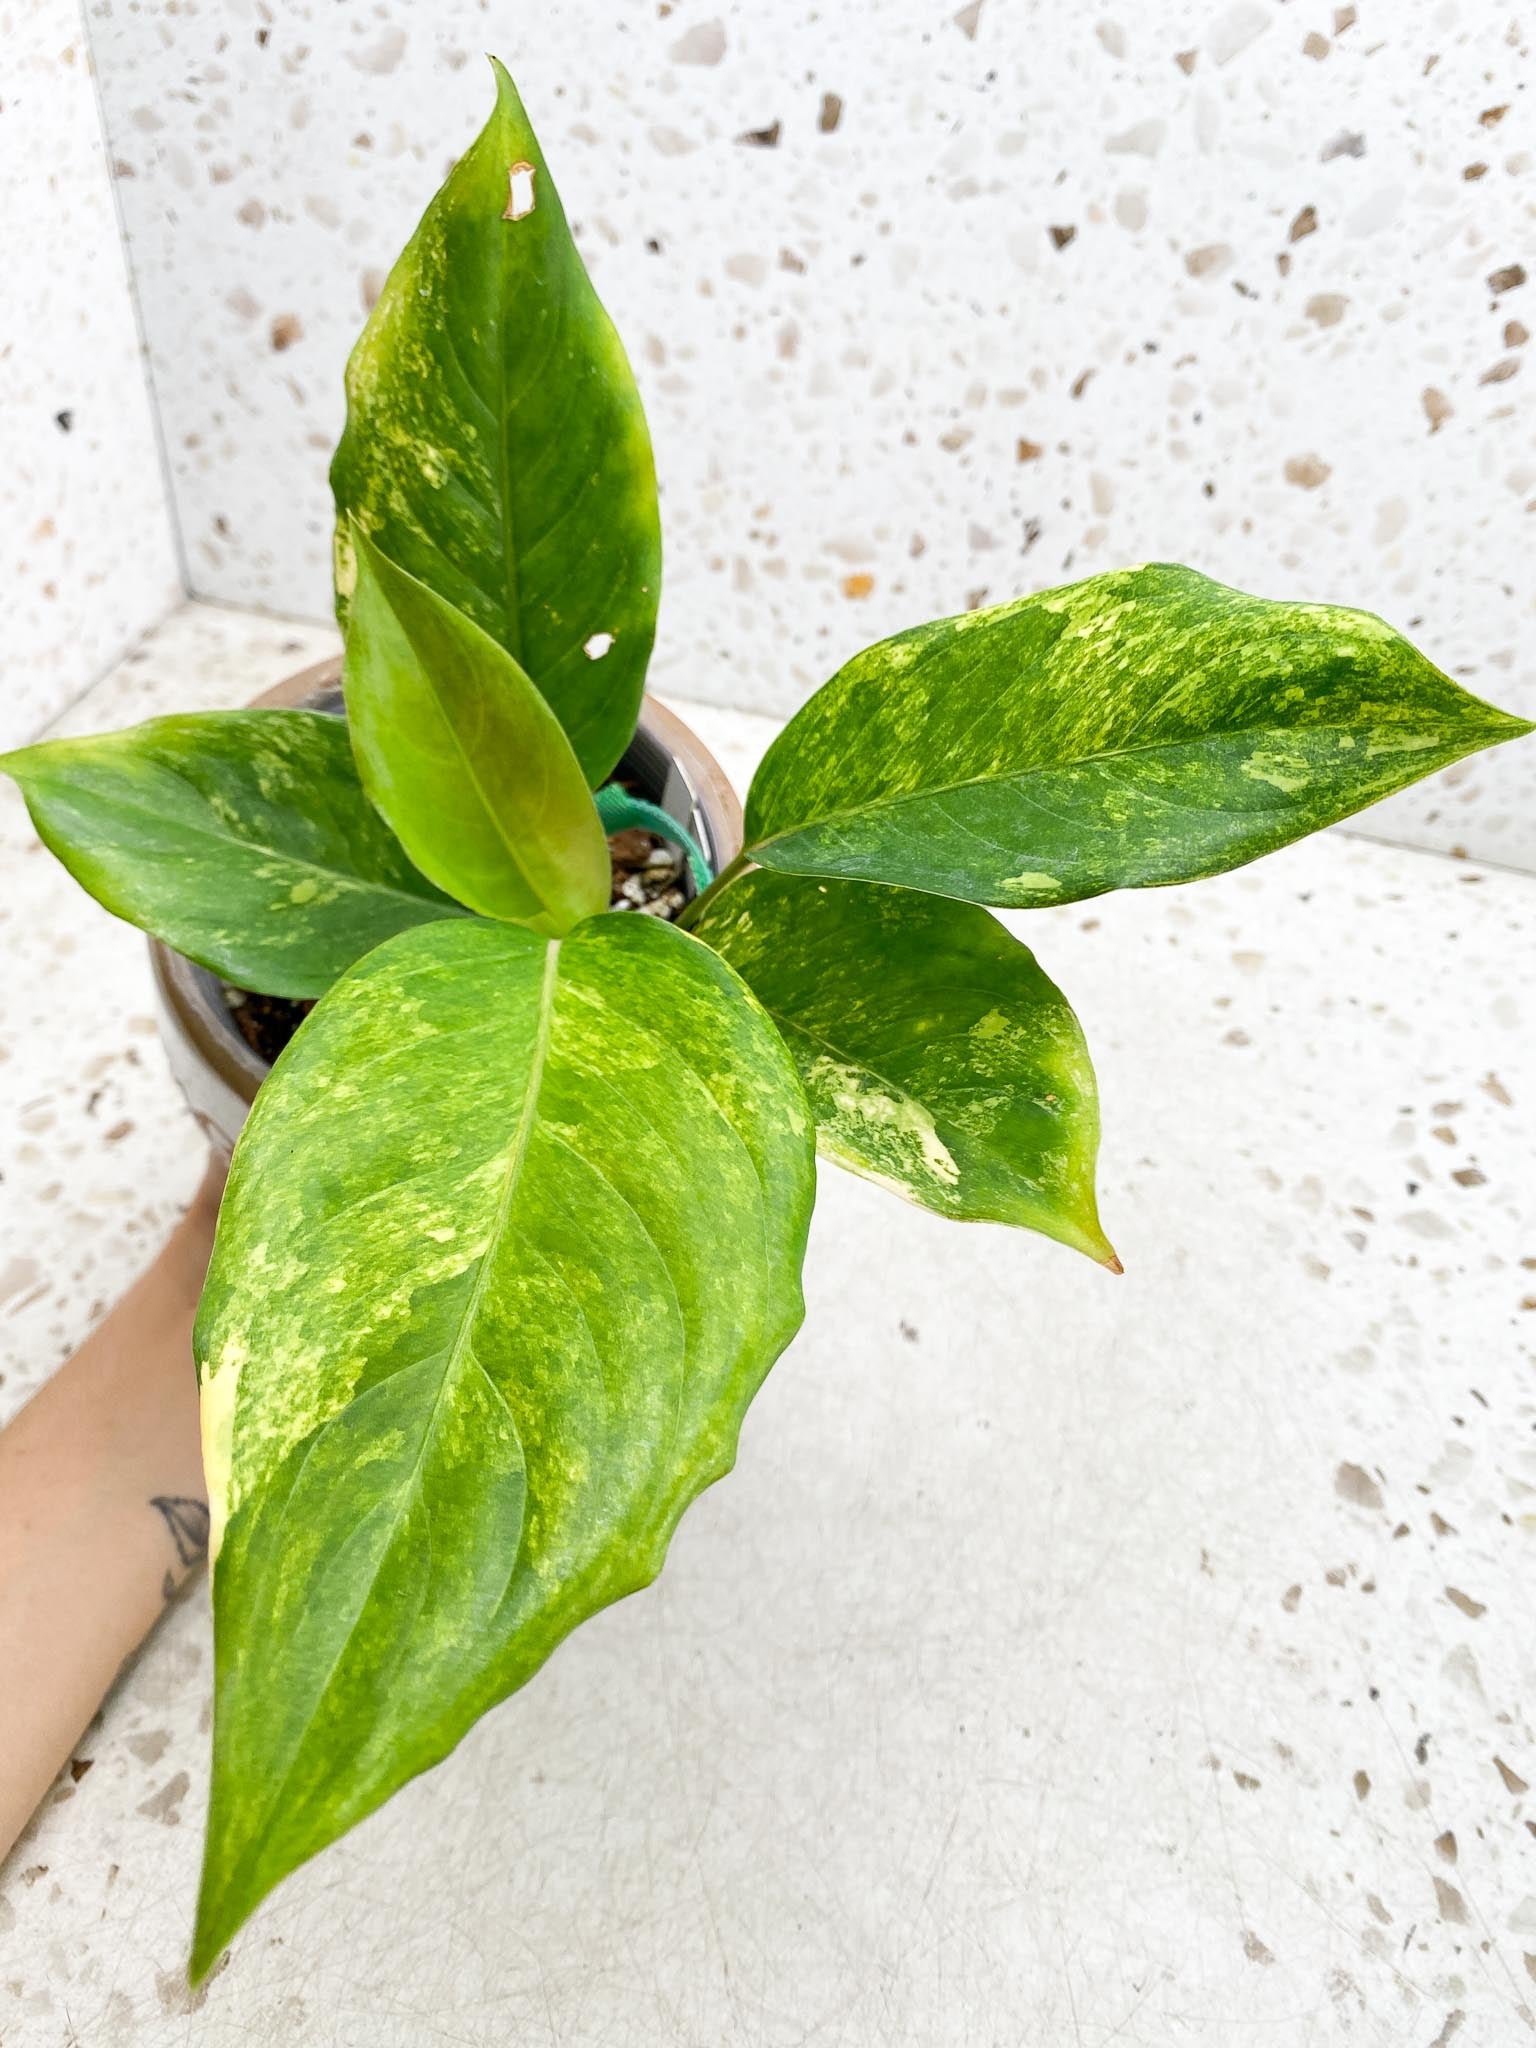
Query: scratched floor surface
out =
(1068, 1661)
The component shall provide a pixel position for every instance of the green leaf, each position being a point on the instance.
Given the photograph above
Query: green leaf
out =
(511, 1237)
(495, 445)
(241, 838)
(938, 1058)
(1147, 726)
(465, 759)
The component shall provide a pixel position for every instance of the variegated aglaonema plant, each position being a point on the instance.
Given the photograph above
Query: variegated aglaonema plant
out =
(515, 1228)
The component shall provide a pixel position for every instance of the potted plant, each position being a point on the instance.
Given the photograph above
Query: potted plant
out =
(221, 1039)
(514, 1230)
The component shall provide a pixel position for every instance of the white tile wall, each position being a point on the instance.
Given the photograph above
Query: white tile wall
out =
(87, 557)
(930, 306)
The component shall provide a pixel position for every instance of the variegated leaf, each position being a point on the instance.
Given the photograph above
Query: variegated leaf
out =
(241, 838)
(1146, 726)
(495, 445)
(938, 1058)
(511, 1237)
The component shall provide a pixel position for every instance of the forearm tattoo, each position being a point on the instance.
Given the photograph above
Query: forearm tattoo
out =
(187, 1521)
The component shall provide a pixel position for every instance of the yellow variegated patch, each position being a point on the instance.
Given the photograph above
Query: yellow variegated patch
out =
(241, 838)
(939, 1060)
(1146, 726)
(470, 1344)
(495, 445)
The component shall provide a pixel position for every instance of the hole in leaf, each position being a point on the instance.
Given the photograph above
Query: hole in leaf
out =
(520, 197)
(595, 648)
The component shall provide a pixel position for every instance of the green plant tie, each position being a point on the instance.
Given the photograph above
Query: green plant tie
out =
(619, 811)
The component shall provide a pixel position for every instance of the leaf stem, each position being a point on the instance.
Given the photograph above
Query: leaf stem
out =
(728, 874)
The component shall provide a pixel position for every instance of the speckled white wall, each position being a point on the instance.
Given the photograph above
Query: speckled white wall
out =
(930, 306)
(86, 547)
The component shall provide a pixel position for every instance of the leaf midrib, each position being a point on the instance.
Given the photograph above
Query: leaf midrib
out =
(517, 1157)
(492, 812)
(1020, 775)
(461, 1347)
(350, 878)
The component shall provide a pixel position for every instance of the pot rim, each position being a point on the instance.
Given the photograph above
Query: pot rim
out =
(226, 1071)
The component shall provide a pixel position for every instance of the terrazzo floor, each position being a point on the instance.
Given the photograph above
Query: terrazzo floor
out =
(1068, 1661)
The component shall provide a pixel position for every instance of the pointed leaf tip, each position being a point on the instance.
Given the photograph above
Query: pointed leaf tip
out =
(940, 1061)
(495, 445)
(595, 1279)
(508, 98)
(212, 1933)
(1143, 727)
(203, 1954)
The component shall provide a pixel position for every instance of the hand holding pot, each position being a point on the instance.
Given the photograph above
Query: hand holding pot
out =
(103, 1513)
